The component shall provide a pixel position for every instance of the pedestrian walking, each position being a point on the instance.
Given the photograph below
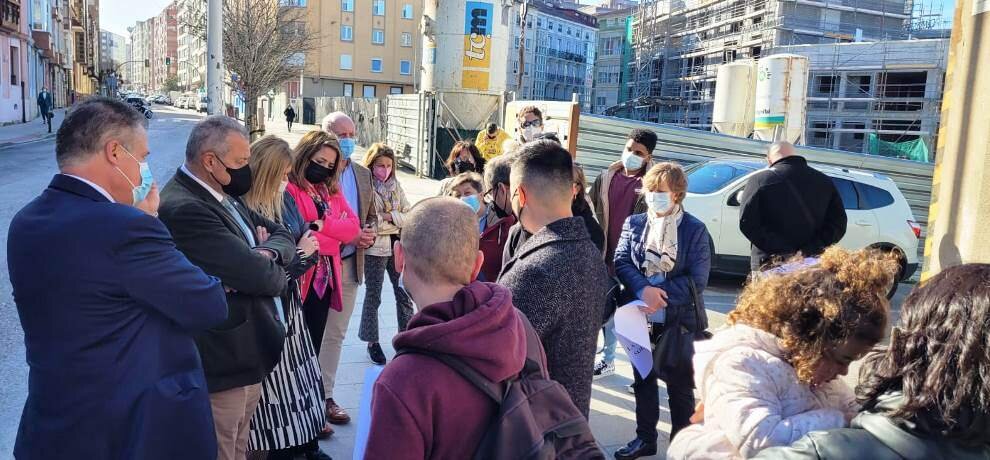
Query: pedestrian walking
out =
(663, 259)
(464, 157)
(290, 116)
(790, 208)
(557, 277)
(355, 184)
(490, 141)
(390, 208)
(499, 216)
(771, 376)
(45, 106)
(615, 196)
(428, 402)
(926, 393)
(248, 253)
(108, 306)
(291, 415)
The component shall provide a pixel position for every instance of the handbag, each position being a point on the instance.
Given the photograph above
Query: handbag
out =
(675, 346)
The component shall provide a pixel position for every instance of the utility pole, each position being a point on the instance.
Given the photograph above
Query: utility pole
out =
(522, 47)
(214, 56)
(960, 209)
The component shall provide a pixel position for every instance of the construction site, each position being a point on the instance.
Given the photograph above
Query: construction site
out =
(876, 67)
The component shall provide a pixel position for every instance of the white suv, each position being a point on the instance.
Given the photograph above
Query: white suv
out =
(878, 215)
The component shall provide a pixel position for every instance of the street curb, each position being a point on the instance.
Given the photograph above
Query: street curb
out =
(11, 144)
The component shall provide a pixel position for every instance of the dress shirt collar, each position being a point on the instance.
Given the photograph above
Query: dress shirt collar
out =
(219, 196)
(95, 187)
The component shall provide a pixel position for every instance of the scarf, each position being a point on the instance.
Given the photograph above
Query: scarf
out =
(323, 274)
(661, 242)
(386, 195)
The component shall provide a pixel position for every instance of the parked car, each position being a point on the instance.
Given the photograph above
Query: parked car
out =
(201, 104)
(878, 214)
(182, 102)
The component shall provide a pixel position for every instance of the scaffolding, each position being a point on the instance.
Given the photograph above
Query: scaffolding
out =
(679, 45)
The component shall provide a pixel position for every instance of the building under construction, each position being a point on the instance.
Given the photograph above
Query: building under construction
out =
(679, 45)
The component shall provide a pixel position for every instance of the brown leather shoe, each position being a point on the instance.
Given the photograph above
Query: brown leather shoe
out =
(326, 433)
(336, 414)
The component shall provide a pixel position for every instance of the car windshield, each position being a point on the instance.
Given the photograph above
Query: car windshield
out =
(712, 177)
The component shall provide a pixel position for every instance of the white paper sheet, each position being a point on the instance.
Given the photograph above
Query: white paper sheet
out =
(632, 332)
(364, 411)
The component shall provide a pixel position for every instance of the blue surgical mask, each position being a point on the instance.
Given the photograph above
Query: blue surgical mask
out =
(631, 161)
(658, 201)
(347, 146)
(473, 202)
(139, 191)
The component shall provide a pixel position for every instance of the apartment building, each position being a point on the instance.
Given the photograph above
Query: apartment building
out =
(113, 50)
(13, 61)
(84, 20)
(48, 63)
(139, 74)
(558, 55)
(190, 48)
(163, 56)
(612, 58)
(367, 48)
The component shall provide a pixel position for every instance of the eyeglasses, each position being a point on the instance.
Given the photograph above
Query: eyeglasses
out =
(527, 124)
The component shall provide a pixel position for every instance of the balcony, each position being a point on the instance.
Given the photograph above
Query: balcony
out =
(10, 15)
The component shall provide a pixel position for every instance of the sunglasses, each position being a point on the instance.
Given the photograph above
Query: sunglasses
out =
(527, 124)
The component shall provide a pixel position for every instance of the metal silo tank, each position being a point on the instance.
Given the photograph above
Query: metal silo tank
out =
(735, 87)
(781, 98)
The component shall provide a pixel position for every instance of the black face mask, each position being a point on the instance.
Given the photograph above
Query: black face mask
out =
(240, 180)
(462, 166)
(317, 173)
(501, 213)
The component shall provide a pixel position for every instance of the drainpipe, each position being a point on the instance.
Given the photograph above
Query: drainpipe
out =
(23, 104)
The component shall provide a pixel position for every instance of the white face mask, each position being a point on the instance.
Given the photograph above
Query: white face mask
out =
(281, 187)
(658, 202)
(631, 161)
(530, 132)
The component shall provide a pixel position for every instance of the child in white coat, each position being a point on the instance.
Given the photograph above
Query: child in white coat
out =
(770, 377)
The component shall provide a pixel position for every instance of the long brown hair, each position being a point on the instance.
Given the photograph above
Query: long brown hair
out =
(479, 161)
(270, 156)
(376, 151)
(308, 147)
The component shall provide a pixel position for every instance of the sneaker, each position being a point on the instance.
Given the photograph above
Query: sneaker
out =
(603, 369)
(376, 354)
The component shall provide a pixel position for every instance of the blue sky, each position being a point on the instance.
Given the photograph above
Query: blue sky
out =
(117, 15)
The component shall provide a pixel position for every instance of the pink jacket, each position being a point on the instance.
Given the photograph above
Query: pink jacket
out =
(340, 225)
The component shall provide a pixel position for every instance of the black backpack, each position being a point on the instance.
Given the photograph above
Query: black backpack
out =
(536, 418)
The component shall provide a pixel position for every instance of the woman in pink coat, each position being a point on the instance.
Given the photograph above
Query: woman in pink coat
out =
(315, 186)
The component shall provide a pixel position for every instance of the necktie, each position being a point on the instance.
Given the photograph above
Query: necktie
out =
(246, 229)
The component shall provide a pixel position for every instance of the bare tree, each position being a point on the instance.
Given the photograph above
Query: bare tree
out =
(264, 45)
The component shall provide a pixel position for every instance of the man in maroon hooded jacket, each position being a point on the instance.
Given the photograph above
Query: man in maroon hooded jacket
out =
(421, 408)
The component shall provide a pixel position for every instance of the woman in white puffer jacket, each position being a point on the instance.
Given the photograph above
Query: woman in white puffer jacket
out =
(769, 378)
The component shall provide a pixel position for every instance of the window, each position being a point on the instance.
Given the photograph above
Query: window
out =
(395, 90)
(347, 5)
(346, 33)
(406, 39)
(871, 197)
(378, 36)
(378, 7)
(713, 177)
(848, 193)
(825, 84)
(376, 65)
(15, 61)
(405, 67)
(407, 13)
(369, 91)
(346, 62)
(348, 89)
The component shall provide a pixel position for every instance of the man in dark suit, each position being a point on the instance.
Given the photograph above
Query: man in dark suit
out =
(45, 106)
(247, 252)
(108, 305)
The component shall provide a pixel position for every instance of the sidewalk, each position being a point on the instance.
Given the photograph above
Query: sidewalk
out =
(31, 131)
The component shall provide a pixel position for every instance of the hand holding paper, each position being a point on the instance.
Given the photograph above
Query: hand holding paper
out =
(632, 332)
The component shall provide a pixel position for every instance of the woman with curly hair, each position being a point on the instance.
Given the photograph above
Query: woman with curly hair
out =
(769, 378)
(927, 395)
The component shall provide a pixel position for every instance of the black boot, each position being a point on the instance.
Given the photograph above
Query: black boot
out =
(635, 449)
(376, 354)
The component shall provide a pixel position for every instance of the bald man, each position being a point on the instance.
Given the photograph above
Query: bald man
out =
(790, 208)
(355, 183)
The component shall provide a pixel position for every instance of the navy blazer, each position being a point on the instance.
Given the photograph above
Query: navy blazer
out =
(108, 306)
(694, 259)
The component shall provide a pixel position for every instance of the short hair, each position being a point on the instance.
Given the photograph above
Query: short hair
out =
(440, 240)
(87, 125)
(529, 109)
(548, 136)
(667, 173)
(479, 161)
(491, 128)
(644, 136)
(546, 169)
(210, 135)
(469, 178)
(306, 149)
(332, 118)
(497, 170)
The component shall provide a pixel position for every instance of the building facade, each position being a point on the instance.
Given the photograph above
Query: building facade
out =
(113, 50)
(48, 64)
(558, 55)
(15, 46)
(84, 19)
(190, 48)
(139, 74)
(367, 48)
(163, 56)
(612, 59)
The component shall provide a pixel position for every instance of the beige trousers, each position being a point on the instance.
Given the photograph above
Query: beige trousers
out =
(232, 412)
(333, 335)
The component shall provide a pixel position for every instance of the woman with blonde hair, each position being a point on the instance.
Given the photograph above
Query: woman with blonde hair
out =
(388, 212)
(314, 183)
(290, 416)
(770, 377)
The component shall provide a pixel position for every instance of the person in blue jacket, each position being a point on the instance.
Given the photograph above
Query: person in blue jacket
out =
(660, 252)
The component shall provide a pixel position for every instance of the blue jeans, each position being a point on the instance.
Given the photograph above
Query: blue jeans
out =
(610, 341)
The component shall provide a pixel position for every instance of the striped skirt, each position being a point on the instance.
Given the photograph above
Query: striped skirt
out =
(291, 412)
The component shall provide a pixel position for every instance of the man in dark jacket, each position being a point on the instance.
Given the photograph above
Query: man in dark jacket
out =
(500, 219)
(557, 277)
(790, 208)
(421, 407)
(247, 252)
